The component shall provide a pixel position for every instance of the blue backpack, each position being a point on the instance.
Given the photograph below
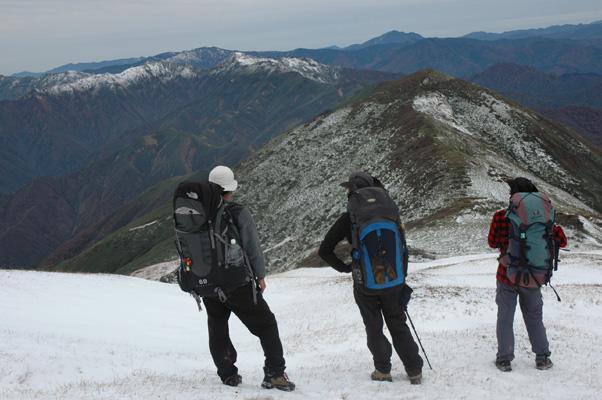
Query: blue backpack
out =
(380, 255)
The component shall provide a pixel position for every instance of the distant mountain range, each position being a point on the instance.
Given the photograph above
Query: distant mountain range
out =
(60, 128)
(591, 31)
(89, 158)
(107, 138)
(457, 56)
(585, 120)
(574, 100)
(461, 57)
(392, 37)
(537, 89)
(208, 57)
(442, 146)
(203, 57)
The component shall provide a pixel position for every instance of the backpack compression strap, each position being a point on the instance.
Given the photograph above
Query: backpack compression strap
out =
(519, 209)
(356, 250)
(522, 256)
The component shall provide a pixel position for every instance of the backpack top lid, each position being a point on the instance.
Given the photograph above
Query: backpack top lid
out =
(529, 208)
(207, 193)
(361, 179)
(357, 180)
(371, 203)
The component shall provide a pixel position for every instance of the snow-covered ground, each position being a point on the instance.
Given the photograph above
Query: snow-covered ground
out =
(73, 336)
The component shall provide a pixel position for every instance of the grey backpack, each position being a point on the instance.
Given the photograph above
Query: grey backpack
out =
(212, 261)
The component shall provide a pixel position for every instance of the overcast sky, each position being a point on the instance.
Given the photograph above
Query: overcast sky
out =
(37, 35)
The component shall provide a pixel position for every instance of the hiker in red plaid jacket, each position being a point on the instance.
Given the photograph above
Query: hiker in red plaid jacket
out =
(499, 230)
(530, 299)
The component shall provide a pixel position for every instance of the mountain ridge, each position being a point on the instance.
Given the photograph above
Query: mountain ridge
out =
(591, 30)
(460, 57)
(443, 148)
(220, 115)
(539, 90)
(566, 31)
(390, 37)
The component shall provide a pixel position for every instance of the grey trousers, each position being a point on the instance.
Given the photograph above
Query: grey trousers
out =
(531, 305)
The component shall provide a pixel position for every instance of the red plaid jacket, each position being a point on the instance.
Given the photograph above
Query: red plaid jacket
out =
(499, 230)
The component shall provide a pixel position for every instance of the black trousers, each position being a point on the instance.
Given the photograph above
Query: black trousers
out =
(387, 304)
(260, 321)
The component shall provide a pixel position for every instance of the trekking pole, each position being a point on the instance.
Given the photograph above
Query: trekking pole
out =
(418, 337)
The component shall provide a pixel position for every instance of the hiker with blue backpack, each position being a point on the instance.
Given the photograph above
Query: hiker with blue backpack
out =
(379, 266)
(223, 265)
(528, 240)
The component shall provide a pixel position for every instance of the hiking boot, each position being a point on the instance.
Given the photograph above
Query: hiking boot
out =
(415, 377)
(233, 380)
(278, 382)
(381, 376)
(543, 363)
(503, 365)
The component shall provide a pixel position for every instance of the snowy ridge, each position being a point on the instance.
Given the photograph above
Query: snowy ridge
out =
(202, 57)
(493, 120)
(292, 221)
(13, 88)
(160, 71)
(93, 337)
(52, 80)
(177, 64)
(308, 68)
(185, 64)
(486, 140)
(437, 106)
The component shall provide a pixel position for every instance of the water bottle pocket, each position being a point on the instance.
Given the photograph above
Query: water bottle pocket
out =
(235, 256)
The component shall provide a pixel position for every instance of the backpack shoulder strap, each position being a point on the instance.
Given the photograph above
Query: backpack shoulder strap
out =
(234, 209)
(232, 212)
(353, 224)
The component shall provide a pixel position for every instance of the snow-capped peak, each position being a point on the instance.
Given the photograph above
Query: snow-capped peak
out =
(162, 71)
(203, 57)
(305, 67)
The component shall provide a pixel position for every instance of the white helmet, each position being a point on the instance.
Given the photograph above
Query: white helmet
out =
(224, 177)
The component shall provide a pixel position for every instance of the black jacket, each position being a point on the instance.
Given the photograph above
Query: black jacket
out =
(339, 231)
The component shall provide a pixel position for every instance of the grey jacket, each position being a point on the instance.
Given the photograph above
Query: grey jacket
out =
(249, 238)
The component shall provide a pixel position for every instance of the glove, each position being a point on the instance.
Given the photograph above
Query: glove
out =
(406, 295)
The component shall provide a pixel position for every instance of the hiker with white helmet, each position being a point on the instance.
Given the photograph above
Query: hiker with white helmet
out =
(222, 263)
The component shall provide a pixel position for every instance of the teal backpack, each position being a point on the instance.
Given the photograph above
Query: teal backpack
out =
(531, 248)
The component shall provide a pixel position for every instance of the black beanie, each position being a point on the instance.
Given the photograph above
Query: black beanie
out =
(521, 185)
